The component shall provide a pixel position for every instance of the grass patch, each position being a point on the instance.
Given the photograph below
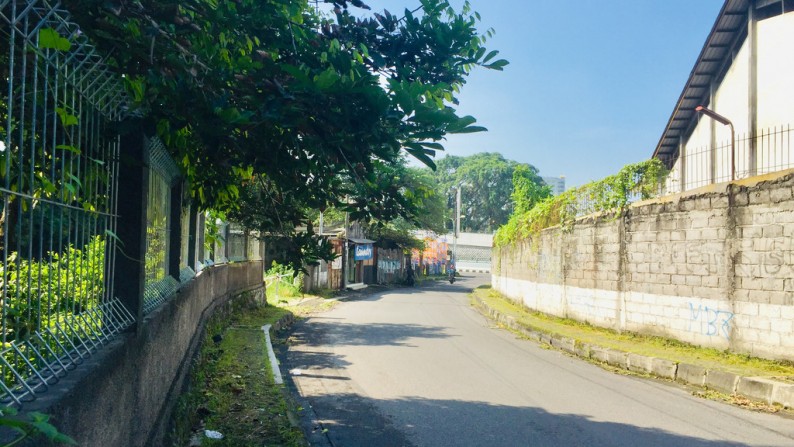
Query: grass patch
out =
(305, 305)
(232, 389)
(739, 401)
(647, 345)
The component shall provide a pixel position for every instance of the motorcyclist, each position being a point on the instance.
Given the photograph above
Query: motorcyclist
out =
(409, 276)
(451, 273)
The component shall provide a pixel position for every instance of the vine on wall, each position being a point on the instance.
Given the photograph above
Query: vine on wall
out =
(638, 181)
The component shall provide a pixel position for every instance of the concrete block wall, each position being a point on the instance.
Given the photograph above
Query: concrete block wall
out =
(145, 372)
(712, 267)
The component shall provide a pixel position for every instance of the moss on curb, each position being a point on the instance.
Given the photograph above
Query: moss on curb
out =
(646, 345)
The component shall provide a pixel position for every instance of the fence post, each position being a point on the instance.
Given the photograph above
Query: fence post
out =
(175, 232)
(227, 252)
(131, 230)
(192, 258)
(752, 82)
(200, 230)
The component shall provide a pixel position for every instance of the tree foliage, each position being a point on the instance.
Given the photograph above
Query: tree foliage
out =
(486, 182)
(321, 107)
(611, 194)
(425, 206)
(528, 189)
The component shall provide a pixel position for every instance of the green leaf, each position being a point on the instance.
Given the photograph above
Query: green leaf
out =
(76, 180)
(112, 236)
(67, 119)
(46, 429)
(50, 39)
(296, 72)
(461, 123)
(498, 65)
(421, 154)
(326, 79)
(470, 129)
(490, 56)
(436, 146)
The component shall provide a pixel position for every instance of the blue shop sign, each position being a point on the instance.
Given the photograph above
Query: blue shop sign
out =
(363, 252)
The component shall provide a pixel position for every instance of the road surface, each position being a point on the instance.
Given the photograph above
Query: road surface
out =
(420, 367)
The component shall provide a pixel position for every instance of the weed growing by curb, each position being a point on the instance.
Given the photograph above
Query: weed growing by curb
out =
(232, 389)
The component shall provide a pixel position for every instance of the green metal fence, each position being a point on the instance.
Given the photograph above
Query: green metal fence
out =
(58, 170)
(64, 272)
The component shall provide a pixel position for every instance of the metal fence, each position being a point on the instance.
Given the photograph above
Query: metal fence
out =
(64, 275)
(769, 151)
(58, 180)
(163, 174)
(229, 242)
(237, 243)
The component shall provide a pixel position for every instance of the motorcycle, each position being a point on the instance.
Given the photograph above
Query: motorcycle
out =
(452, 276)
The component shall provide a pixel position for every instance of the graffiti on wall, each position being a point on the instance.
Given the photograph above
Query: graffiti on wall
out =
(388, 266)
(709, 321)
(773, 258)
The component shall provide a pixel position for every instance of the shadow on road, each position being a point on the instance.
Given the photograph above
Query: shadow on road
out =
(464, 283)
(316, 335)
(378, 334)
(352, 420)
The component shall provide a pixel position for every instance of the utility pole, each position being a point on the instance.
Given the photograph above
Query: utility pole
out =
(344, 250)
(456, 229)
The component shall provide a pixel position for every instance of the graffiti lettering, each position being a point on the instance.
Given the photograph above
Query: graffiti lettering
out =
(388, 266)
(709, 321)
(774, 260)
(706, 255)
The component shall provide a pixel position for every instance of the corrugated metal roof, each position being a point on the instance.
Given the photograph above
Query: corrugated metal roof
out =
(730, 25)
(361, 241)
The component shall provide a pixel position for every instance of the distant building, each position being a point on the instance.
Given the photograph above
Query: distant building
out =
(473, 251)
(557, 184)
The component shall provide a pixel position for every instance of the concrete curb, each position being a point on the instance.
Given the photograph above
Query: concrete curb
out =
(755, 388)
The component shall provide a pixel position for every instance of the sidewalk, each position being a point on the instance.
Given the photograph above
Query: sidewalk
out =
(745, 380)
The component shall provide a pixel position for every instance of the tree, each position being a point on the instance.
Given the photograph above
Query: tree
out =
(528, 189)
(432, 211)
(428, 210)
(486, 182)
(319, 107)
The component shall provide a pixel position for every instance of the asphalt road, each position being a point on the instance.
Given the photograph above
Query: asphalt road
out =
(420, 367)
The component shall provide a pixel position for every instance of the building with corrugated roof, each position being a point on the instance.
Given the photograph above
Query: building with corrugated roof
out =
(733, 118)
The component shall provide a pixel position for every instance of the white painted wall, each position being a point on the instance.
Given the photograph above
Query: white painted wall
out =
(672, 184)
(775, 88)
(698, 157)
(775, 112)
(761, 329)
(731, 99)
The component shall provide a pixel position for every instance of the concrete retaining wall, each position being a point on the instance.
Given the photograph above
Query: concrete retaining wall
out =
(125, 395)
(713, 267)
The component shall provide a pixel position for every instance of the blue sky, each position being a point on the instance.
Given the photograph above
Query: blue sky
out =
(590, 85)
